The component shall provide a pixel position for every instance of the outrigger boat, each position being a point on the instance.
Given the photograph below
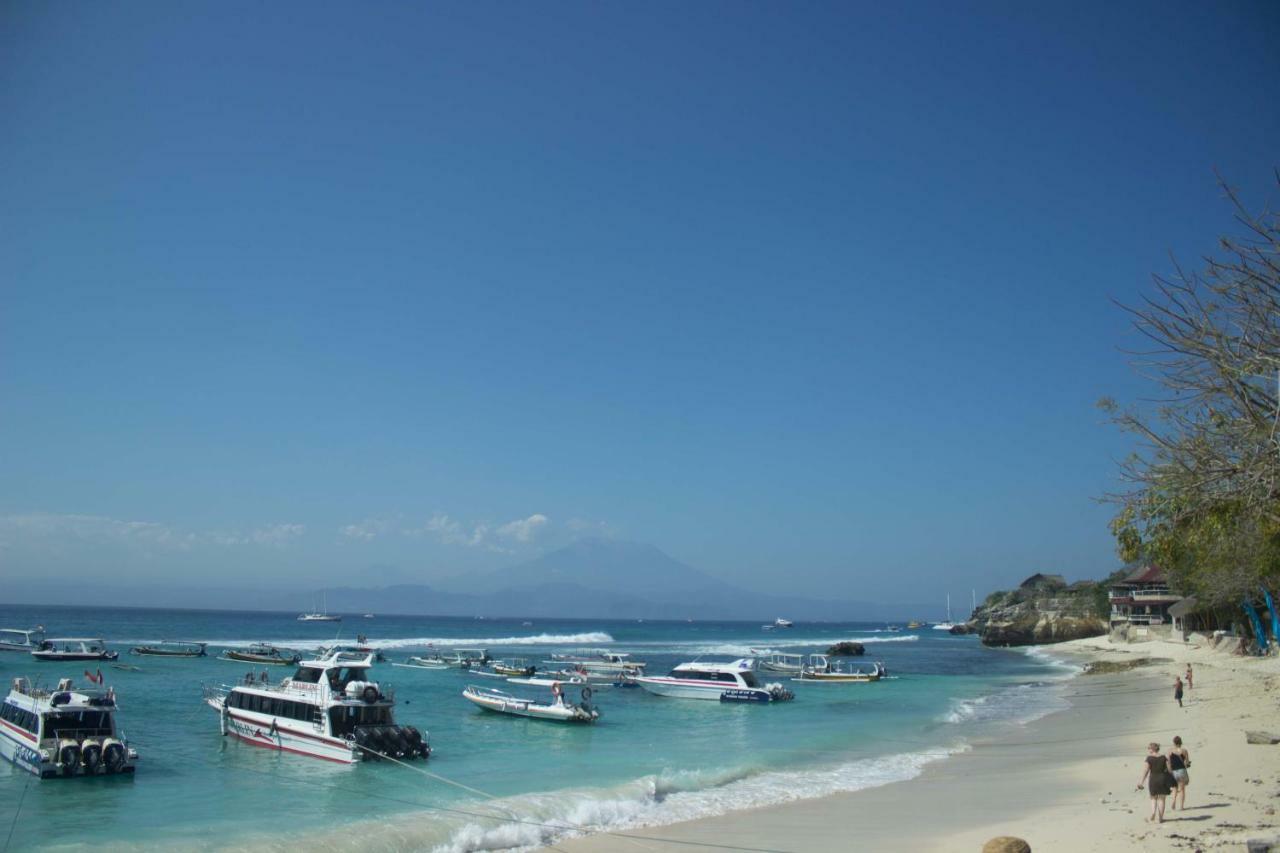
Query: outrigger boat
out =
(725, 682)
(559, 710)
(822, 670)
(73, 648)
(21, 639)
(607, 663)
(467, 658)
(64, 732)
(515, 666)
(263, 653)
(328, 709)
(767, 661)
(171, 649)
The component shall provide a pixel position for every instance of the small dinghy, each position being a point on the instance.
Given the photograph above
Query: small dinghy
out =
(559, 710)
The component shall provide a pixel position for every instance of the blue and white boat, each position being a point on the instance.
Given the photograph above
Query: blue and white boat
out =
(64, 732)
(720, 682)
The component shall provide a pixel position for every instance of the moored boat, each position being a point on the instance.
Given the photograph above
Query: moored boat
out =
(822, 670)
(783, 623)
(424, 662)
(328, 709)
(726, 682)
(263, 653)
(609, 663)
(767, 661)
(467, 658)
(73, 649)
(558, 710)
(171, 649)
(514, 666)
(21, 639)
(63, 732)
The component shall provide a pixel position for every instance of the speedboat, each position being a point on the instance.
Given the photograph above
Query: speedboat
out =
(171, 649)
(778, 662)
(558, 710)
(725, 682)
(64, 732)
(73, 648)
(263, 653)
(21, 639)
(823, 670)
(782, 623)
(328, 709)
(424, 662)
(610, 663)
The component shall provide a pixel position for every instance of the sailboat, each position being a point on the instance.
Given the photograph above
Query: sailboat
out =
(321, 615)
(948, 625)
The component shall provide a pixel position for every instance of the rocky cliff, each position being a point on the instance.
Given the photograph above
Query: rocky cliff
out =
(1043, 609)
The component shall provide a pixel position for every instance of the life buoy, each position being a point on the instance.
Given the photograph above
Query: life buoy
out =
(369, 694)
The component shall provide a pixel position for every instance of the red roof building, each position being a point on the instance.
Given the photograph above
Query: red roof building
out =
(1143, 597)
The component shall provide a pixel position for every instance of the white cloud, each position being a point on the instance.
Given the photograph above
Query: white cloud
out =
(368, 529)
(38, 528)
(523, 529)
(450, 531)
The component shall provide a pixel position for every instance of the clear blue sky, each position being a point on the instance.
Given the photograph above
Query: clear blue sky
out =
(804, 294)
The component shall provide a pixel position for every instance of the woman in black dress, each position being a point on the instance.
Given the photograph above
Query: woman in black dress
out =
(1159, 781)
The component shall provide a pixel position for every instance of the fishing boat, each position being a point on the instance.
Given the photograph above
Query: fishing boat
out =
(514, 666)
(467, 658)
(893, 629)
(822, 670)
(263, 653)
(21, 639)
(319, 615)
(64, 732)
(171, 649)
(424, 662)
(914, 624)
(725, 682)
(558, 710)
(73, 648)
(783, 623)
(368, 616)
(767, 661)
(329, 708)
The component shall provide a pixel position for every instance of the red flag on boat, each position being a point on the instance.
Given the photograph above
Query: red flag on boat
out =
(96, 679)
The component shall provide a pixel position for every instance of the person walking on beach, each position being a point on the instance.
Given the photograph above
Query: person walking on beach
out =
(1159, 781)
(1188, 676)
(1177, 690)
(1179, 761)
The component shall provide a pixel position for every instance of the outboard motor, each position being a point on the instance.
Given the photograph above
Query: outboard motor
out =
(91, 755)
(113, 755)
(367, 742)
(68, 756)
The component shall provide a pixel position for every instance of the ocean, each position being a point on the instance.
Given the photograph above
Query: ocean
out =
(648, 761)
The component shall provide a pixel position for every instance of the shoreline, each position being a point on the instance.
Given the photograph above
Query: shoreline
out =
(1063, 782)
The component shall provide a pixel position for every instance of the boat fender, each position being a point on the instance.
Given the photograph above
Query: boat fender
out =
(113, 755)
(91, 755)
(586, 694)
(370, 694)
(60, 699)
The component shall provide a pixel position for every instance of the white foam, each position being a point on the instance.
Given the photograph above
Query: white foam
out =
(1019, 704)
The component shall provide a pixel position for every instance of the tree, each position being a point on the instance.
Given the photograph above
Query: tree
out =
(1204, 496)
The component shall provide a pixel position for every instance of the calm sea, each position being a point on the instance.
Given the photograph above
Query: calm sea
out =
(649, 760)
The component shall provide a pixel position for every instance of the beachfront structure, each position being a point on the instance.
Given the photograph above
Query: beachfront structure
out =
(1142, 598)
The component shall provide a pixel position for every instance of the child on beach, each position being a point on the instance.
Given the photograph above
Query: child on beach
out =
(1159, 781)
(1179, 761)
(1177, 690)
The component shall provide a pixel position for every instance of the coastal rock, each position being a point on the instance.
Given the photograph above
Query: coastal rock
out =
(1263, 845)
(846, 648)
(1006, 844)
(964, 628)
(1265, 738)
(1043, 609)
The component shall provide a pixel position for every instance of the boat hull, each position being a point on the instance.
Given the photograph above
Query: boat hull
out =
(676, 689)
(517, 707)
(74, 656)
(241, 657)
(264, 731)
(19, 749)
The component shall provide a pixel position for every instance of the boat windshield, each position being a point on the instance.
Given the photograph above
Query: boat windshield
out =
(344, 719)
(82, 723)
(308, 675)
(749, 679)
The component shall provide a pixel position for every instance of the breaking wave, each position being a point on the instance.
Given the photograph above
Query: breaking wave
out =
(414, 642)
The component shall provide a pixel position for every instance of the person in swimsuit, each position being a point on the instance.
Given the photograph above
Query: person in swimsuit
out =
(1177, 690)
(1179, 761)
(1159, 781)
(1188, 676)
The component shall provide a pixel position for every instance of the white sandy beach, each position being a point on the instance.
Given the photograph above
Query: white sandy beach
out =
(1063, 783)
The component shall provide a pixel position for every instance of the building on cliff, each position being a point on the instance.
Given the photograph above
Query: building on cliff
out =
(1141, 597)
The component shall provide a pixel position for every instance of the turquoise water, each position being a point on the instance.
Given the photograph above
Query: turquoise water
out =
(649, 760)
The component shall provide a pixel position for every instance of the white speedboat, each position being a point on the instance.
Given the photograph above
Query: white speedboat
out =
(72, 649)
(783, 623)
(328, 709)
(21, 639)
(558, 710)
(424, 662)
(824, 671)
(767, 661)
(64, 732)
(724, 682)
(609, 663)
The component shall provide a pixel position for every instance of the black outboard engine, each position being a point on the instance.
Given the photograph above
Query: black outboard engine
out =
(365, 740)
(113, 756)
(91, 755)
(69, 755)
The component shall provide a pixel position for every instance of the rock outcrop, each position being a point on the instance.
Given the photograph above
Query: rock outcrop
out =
(1265, 738)
(1043, 609)
(846, 648)
(1006, 844)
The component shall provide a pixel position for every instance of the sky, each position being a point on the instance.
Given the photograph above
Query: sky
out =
(811, 296)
